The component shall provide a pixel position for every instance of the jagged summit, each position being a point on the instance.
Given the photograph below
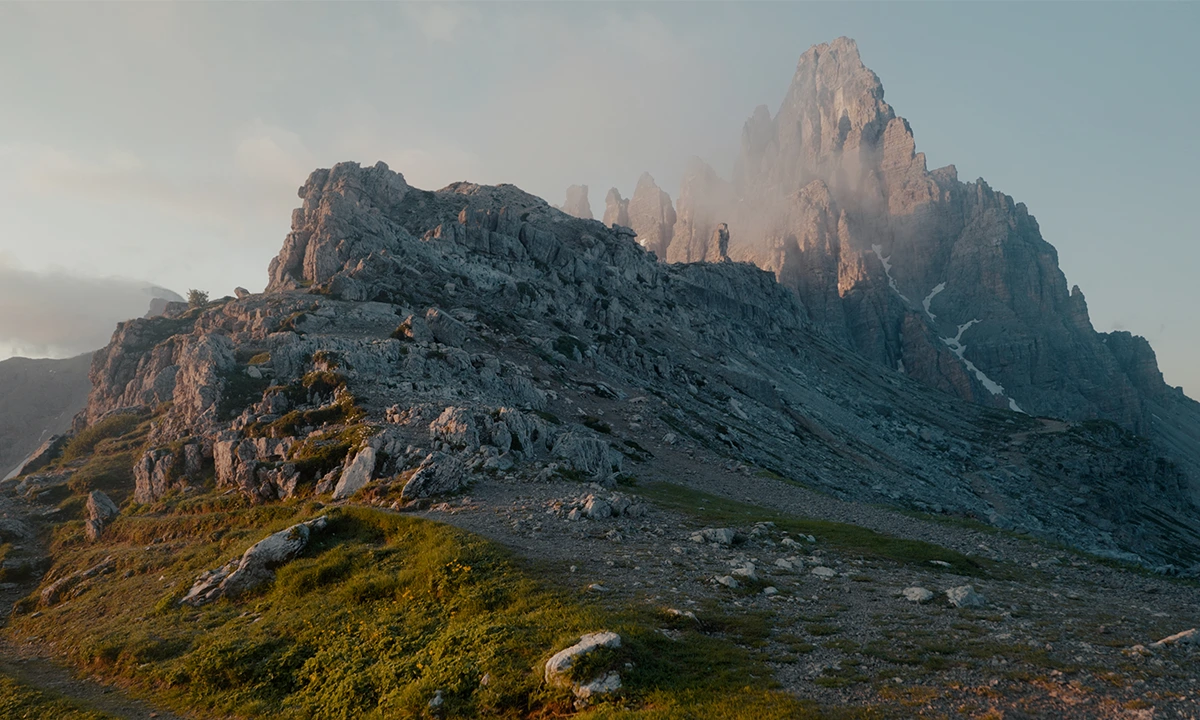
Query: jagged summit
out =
(949, 282)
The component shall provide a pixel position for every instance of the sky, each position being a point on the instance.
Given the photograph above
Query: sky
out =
(161, 143)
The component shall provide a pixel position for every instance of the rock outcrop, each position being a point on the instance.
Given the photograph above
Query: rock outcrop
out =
(705, 201)
(255, 567)
(101, 511)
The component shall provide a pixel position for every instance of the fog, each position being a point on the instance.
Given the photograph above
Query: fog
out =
(58, 314)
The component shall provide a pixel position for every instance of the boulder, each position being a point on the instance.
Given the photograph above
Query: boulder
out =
(45, 454)
(255, 567)
(357, 474)
(1187, 637)
(75, 583)
(917, 594)
(101, 510)
(438, 473)
(558, 667)
(445, 329)
(586, 454)
(456, 427)
(964, 596)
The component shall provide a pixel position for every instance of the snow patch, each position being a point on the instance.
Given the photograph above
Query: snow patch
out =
(956, 347)
(929, 298)
(887, 270)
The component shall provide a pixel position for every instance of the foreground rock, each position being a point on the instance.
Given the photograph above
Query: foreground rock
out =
(917, 595)
(255, 567)
(75, 583)
(558, 668)
(964, 596)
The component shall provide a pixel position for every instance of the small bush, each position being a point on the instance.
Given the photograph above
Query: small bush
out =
(197, 298)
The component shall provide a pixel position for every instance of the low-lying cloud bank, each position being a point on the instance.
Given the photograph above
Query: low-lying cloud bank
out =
(58, 314)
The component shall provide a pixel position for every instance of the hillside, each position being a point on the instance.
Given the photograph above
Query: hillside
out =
(38, 398)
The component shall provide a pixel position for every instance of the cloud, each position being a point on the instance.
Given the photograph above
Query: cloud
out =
(59, 314)
(439, 21)
(272, 155)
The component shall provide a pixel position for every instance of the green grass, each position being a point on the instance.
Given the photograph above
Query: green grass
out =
(381, 611)
(19, 701)
(113, 427)
(851, 539)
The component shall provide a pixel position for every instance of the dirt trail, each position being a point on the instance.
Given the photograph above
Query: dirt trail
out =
(48, 677)
(26, 665)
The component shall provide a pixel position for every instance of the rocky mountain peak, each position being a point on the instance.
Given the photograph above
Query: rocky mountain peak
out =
(950, 282)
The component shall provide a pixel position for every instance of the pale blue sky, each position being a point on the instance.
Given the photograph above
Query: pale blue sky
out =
(164, 142)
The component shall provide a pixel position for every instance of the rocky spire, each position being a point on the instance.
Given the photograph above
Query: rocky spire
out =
(577, 204)
(616, 209)
(652, 216)
(704, 199)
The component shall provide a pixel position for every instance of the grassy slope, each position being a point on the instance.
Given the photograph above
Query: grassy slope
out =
(381, 612)
(21, 702)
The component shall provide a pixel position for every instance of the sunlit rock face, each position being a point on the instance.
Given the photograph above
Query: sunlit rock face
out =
(893, 259)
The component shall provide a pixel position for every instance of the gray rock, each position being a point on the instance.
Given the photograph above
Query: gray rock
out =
(825, 573)
(75, 583)
(255, 567)
(586, 454)
(445, 329)
(101, 511)
(357, 474)
(917, 594)
(965, 596)
(438, 473)
(557, 671)
(456, 427)
(1187, 637)
(597, 509)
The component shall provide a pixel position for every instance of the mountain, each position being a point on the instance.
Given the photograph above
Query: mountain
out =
(38, 398)
(950, 283)
(430, 335)
(463, 434)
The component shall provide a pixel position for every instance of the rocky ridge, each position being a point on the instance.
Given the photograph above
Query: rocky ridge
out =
(410, 340)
